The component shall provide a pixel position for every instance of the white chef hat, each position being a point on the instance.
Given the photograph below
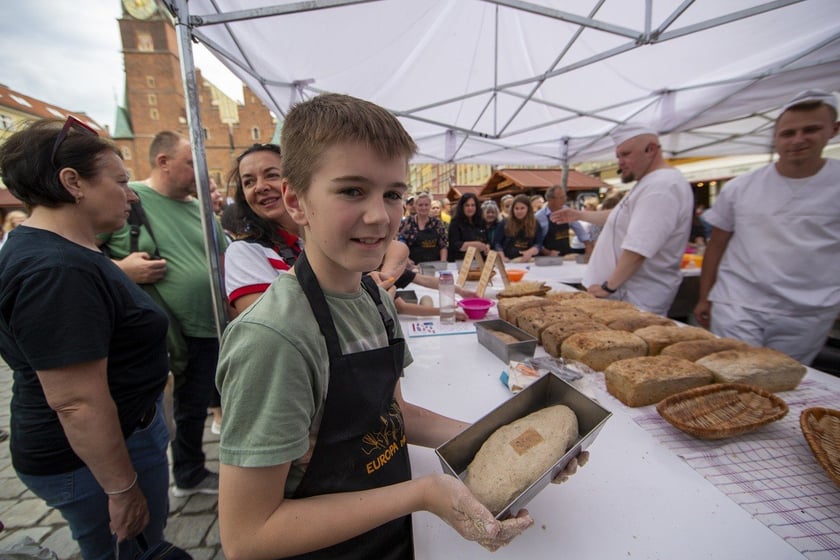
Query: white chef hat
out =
(623, 133)
(811, 95)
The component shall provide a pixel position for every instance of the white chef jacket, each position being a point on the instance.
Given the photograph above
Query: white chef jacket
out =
(654, 220)
(784, 253)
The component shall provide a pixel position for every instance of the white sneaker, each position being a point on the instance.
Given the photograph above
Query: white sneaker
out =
(216, 428)
(209, 485)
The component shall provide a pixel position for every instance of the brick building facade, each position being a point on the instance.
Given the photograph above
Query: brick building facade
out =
(154, 101)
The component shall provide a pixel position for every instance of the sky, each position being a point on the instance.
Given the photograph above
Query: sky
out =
(68, 53)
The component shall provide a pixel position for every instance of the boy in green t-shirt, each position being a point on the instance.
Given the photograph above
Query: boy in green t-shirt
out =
(314, 444)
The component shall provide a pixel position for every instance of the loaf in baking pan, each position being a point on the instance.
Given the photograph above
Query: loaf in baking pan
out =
(517, 454)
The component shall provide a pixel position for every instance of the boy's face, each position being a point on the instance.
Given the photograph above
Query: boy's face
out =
(349, 213)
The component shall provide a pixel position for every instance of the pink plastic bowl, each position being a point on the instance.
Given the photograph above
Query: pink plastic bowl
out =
(475, 308)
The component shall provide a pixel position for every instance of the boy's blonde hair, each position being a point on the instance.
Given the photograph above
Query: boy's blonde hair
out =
(311, 127)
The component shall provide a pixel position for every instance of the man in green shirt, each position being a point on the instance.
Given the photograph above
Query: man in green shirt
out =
(171, 264)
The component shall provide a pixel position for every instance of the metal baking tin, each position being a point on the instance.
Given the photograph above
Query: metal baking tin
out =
(548, 261)
(429, 268)
(456, 454)
(517, 351)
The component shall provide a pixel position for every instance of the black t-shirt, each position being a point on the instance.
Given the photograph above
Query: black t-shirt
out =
(60, 305)
(460, 232)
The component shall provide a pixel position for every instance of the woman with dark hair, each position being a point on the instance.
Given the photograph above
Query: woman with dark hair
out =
(86, 344)
(268, 242)
(516, 236)
(467, 229)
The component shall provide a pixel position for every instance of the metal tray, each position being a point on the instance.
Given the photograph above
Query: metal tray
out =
(456, 454)
(548, 261)
(429, 268)
(506, 352)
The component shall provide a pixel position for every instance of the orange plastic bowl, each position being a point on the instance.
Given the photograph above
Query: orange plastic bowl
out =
(475, 308)
(515, 274)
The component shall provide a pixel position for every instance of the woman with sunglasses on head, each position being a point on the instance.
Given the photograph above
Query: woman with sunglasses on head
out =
(87, 346)
(424, 234)
(467, 229)
(268, 243)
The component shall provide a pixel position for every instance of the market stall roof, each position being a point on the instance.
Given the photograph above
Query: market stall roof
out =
(539, 82)
(517, 181)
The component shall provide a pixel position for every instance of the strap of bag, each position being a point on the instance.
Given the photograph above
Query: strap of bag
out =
(137, 219)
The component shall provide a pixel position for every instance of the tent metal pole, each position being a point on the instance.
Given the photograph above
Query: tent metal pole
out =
(202, 180)
(564, 181)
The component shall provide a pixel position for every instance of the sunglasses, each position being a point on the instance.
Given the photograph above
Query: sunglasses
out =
(72, 123)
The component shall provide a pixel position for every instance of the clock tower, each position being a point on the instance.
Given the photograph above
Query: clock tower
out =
(154, 98)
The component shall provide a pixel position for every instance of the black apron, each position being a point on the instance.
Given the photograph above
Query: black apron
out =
(426, 245)
(557, 238)
(361, 442)
(513, 247)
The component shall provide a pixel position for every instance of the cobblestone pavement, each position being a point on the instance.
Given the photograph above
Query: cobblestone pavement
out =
(193, 523)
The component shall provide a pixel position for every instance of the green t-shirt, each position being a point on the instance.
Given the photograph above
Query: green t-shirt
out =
(186, 287)
(273, 372)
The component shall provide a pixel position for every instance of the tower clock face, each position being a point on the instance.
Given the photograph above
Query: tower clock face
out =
(140, 9)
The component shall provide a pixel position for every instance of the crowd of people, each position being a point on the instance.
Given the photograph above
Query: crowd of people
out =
(114, 273)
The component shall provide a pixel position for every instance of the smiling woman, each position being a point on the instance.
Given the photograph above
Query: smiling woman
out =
(86, 409)
(269, 243)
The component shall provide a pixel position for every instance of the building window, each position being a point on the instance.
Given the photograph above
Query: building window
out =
(145, 42)
(153, 114)
(152, 99)
(150, 82)
(255, 133)
(206, 133)
(6, 122)
(126, 153)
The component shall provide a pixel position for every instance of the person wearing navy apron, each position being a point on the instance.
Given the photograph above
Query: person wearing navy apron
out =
(424, 235)
(313, 447)
(557, 238)
(361, 392)
(519, 234)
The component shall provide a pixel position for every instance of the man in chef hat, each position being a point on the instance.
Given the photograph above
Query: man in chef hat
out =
(771, 271)
(639, 251)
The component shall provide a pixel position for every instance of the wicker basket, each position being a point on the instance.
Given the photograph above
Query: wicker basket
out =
(821, 427)
(721, 410)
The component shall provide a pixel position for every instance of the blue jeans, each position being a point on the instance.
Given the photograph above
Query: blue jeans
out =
(192, 393)
(84, 505)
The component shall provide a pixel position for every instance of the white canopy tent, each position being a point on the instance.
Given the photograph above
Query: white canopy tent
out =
(518, 82)
(538, 82)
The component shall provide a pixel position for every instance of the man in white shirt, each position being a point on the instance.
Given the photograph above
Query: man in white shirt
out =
(771, 270)
(639, 251)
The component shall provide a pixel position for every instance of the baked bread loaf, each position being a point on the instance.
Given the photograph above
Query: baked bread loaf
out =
(515, 313)
(766, 368)
(693, 350)
(523, 288)
(591, 305)
(658, 336)
(535, 320)
(518, 454)
(504, 337)
(553, 336)
(562, 296)
(638, 321)
(649, 379)
(504, 304)
(598, 349)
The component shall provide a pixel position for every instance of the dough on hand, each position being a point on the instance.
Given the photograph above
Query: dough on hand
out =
(517, 454)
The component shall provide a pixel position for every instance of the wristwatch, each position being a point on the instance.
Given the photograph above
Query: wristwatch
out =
(607, 289)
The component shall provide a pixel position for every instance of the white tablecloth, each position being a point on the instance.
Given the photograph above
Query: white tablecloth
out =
(637, 498)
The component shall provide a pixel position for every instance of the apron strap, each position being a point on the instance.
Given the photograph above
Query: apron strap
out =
(312, 289)
(373, 291)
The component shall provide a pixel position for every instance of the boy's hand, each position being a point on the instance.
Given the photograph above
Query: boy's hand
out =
(572, 467)
(452, 501)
